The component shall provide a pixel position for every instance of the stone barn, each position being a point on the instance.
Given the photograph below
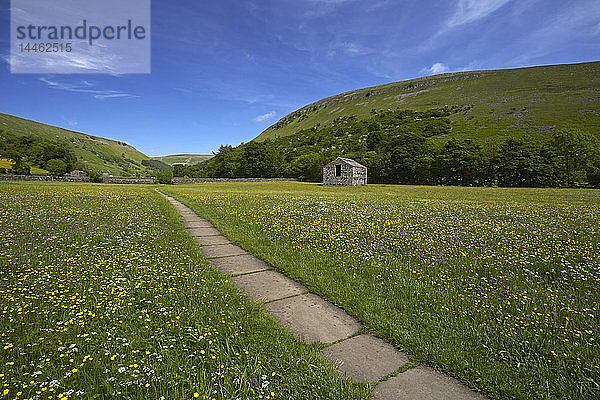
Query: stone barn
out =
(344, 172)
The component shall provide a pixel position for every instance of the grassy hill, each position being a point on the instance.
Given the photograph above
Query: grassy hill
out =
(493, 104)
(97, 153)
(187, 159)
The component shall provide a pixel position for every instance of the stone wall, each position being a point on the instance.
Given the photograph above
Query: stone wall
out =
(128, 180)
(345, 178)
(359, 176)
(350, 175)
(47, 178)
(140, 180)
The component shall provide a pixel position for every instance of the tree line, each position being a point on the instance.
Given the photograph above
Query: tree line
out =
(27, 151)
(409, 147)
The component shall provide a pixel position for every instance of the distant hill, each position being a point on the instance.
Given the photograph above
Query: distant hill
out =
(185, 159)
(493, 104)
(94, 152)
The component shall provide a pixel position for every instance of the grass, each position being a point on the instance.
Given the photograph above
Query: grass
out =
(104, 295)
(518, 102)
(101, 154)
(187, 159)
(497, 287)
(8, 164)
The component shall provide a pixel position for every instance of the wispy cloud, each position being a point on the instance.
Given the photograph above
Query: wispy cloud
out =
(466, 12)
(182, 90)
(239, 90)
(6, 58)
(87, 87)
(349, 49)
(264, 117)
(572, 23)
(436, 68)
(320, 8)
(472, 10)
(92, 60)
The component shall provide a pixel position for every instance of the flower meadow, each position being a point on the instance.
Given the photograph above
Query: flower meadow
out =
(498, 287)
(104, 295)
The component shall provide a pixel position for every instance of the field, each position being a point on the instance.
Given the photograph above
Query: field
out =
(497, 287)
(104, 295)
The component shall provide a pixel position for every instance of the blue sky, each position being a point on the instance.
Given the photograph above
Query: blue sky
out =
(224, 71)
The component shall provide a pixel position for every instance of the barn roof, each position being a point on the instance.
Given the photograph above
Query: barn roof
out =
(350, 162)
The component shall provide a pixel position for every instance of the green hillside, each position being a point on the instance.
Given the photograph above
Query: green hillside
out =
(186, 159)
(493, 104)
(91, 152)
(525, 127)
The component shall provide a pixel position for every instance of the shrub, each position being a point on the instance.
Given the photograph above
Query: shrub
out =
(21, 168)
(56, 167)
(94, 175)
(165, 177)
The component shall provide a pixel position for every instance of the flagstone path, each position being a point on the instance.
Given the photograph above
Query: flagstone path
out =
(363, 358)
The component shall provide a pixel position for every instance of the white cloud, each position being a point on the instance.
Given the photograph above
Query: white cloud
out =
(70, 122)
(472, 10)
(264, 117)
(436, 68)
(87, 87)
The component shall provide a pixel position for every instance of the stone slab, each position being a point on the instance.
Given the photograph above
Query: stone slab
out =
(267, 286)
(424, 383)
(365, 358)
(312, 318)
(203, 232)
(221, 250)
(238, 264)
(193, 218)
(196, 223)
(211, 240)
